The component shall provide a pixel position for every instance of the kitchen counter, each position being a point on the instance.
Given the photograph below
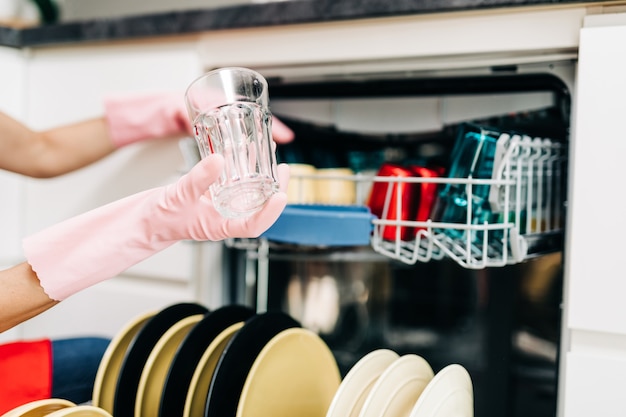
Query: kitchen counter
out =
(244, 16)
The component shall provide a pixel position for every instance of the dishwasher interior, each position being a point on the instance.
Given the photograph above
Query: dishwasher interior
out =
(485, 292)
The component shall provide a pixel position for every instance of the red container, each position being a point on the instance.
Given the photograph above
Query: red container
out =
(409, 201)
(427, 192)
(392, 191)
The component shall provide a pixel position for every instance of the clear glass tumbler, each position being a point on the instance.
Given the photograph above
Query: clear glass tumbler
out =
(229, 110)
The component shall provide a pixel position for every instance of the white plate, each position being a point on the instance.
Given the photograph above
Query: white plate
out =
(398, 388)
(358, 383)
(450, 393)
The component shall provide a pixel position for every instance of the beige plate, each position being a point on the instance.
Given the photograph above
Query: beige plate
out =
(295, 374)
(358, 383)
(450, 393)
(39, 408)
(155, 371)
(201, 379)
(398, 388)
(111, 362)
(80, 411)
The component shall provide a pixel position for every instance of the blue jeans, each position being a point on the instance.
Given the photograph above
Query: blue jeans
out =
(75, 362)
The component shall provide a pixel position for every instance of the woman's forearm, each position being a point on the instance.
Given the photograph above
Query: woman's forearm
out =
(21, 296)
(52, 152)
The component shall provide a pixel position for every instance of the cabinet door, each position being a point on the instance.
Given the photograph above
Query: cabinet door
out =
(594, 385)
(597, 225)
(593, 365)
(67, 84)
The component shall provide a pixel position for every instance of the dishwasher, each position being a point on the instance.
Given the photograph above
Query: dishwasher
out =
(457, 190)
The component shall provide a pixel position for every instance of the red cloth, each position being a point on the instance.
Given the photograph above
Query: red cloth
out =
(25, 373)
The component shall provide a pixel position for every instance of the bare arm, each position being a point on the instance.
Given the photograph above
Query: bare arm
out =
(21, 297)
(52, 152)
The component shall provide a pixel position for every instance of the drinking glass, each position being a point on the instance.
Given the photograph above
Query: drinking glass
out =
(229, 111)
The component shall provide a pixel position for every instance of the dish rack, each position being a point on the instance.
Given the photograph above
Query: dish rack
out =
(495, 221)
(508, 208)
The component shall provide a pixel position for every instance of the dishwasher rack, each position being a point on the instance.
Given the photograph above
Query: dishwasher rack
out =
(525, 200)
(516, 212)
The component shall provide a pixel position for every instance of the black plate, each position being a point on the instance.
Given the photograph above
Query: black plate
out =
(139, 350)
(237, 359)
(190, 352)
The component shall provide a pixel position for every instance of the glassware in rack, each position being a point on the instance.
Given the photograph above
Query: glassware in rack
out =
(473, 156)
(501, 201)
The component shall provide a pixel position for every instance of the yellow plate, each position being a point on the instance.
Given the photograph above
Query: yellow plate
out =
(155, 371)
(80, 411)
(295, 374)
(201, 379)
(39, 408)
(111, 362)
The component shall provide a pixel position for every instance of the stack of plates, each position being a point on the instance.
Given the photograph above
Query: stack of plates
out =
(111, 362)
(187, 361)
(129, 391)
(384, 384)
(189, 376)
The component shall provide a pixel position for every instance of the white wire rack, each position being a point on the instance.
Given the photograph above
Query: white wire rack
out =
(523, 200)
(477, 222)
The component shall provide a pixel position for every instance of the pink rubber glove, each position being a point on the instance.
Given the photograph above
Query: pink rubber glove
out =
(101, 243)
(137, 117)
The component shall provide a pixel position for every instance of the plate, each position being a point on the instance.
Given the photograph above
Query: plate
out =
(39, 408)
(195, 400)
(295, 374)
(80, 411)
(190, 352)
(397, 389)
(138, 352)
(450, 393)
(111, 362)
(237, 359)
(358, 382)
(158, 364)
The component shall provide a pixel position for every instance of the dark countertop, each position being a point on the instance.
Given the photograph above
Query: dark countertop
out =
(243, 16)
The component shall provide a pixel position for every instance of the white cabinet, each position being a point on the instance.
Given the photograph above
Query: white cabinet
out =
(594, 260)
(594, 385)
(594, 353)
(51, 86)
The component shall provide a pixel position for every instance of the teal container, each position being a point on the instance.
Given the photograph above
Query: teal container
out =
(472, 157)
